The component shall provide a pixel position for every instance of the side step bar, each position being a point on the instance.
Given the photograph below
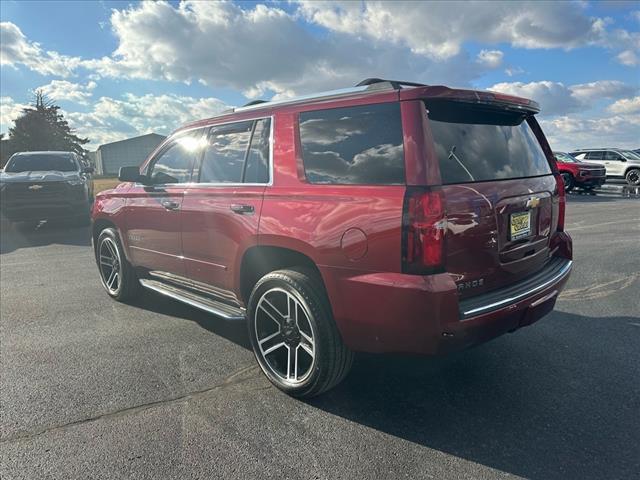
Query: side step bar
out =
(228, 312)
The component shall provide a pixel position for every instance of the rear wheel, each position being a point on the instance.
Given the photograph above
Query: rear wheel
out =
(117, 275)
(293, 334)
(633, 177)
(568, 180)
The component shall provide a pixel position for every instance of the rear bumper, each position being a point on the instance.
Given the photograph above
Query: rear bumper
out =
(414, 314)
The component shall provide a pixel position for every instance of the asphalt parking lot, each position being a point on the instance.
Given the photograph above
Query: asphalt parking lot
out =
(91, 388)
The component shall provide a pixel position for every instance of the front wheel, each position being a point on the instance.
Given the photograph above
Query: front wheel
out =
(633, 177)
(117, 275)
(293, 334)
(568, 180)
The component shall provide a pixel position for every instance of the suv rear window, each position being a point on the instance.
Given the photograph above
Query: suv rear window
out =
(476, 144)
(356, 145)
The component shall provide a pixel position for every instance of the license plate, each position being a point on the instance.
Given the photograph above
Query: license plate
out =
(520, 225)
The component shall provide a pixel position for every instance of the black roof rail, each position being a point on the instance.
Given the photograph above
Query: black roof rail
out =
(254, 102)
(396, 84)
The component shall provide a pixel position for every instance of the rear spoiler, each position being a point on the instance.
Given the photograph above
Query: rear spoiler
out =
(491, 99)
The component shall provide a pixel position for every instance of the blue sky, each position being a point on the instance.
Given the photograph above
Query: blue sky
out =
(120, 69)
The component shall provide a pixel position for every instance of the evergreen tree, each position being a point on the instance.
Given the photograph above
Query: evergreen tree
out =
(41, 127)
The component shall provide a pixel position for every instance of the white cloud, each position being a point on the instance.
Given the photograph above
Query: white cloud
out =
(271, 51)
(16, 49)
(490, 58)
(567, 133)
(555, 98)
(626, 105)
(439, 28)
(9, 111)
(588, 92)
(513, 71)
(628, 58)
(63, 90)
(113, 119)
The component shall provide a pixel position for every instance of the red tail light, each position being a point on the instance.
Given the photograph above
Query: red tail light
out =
(423, 231)
(561, 202)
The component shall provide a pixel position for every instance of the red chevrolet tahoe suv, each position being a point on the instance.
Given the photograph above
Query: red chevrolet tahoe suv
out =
(389, 217)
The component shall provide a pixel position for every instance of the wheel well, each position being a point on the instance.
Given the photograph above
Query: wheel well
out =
(258, 261)
(630, 168)
(98, 226)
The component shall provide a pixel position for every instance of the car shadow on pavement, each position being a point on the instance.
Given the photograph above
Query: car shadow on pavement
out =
(514, 404)
(28, 235)
(234, 331)
(597, 197)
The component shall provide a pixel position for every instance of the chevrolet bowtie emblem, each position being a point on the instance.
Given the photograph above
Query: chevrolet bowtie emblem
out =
(35, 187)
(533, 202)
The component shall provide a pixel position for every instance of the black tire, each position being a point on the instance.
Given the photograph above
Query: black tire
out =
(332, 360)
(83, 219)
(568, 180)
(5, 224)
(128, 285)
(633, 177)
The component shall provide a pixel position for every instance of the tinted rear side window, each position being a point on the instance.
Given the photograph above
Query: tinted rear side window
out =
(475, 144)
(224, 156)
(355, 145)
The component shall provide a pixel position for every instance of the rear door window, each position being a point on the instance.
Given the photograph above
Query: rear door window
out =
(237, 153)
(598, 155)
(224, 156)
(475, 144)
(356, 145)
(257, 165)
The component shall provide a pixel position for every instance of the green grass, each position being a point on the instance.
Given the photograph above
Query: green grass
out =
(100, 184)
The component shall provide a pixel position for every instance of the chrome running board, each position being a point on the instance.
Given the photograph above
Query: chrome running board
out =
(228, 312)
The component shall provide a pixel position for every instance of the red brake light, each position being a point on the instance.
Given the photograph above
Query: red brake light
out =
(423, 231)
(561, 202)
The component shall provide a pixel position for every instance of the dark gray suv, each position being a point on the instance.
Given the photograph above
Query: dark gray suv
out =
(46, 186)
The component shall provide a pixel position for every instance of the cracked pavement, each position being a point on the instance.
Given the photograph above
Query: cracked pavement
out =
(91, 388)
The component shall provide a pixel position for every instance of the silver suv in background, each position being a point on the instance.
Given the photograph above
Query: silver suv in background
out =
(619, 163)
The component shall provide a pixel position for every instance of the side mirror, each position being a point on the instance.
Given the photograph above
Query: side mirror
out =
(87, 169)
(130, 174)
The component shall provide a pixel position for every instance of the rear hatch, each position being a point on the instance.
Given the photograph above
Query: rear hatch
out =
(499, 191)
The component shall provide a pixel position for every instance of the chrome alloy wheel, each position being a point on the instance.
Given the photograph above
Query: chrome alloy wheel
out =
(633, 177)
(110, 265)
(285, 336)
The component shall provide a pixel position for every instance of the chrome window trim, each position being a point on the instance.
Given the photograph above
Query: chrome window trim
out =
(509, 300)
(213, 184)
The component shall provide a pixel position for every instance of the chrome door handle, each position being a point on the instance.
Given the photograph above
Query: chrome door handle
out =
(242, 209)
(170, 204)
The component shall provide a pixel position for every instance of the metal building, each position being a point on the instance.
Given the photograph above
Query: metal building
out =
(132, 151)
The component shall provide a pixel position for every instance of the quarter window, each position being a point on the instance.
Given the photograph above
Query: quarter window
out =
(355, 145)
